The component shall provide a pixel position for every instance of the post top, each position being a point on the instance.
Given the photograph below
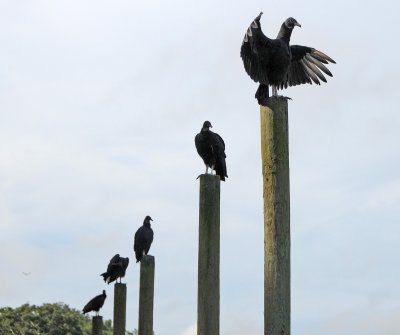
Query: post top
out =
(209, 176)
(147, 259)
(275, 103)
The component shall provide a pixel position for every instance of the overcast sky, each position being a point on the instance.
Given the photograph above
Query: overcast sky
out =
(99, 105)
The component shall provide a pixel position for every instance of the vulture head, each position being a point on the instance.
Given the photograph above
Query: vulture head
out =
(206, 125)
(290, 23)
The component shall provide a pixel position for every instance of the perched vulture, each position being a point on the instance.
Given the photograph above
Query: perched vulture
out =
(116, 269)
(143, 239)
(211, 148)
(95, 304)
(273, 62)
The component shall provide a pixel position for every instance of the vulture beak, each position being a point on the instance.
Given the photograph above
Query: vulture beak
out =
(297, 24)
(151, 219)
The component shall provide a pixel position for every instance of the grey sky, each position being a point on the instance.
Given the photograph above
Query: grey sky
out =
(99, 105)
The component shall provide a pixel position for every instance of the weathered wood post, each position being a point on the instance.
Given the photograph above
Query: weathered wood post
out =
(275, 169)
(97, 325)
(119, 309)
(209, 249)
(146, 295)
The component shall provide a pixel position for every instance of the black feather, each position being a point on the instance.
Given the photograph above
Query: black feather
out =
(143, 239)
(95, 304)
(321, 66)
(273, 62)
(116, 269)
(211, 148)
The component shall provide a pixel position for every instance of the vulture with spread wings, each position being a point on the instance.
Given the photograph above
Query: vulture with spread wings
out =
(275, 63)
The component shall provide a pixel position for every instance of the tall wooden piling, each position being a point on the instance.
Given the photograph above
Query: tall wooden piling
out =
(209, 251)
(275, 169)
(146, 295)
(119, 309)
(97, 325)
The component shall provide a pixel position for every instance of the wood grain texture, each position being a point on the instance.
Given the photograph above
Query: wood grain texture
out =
(119, 309)
(275, 169)
(208, 299)
(146, 295)
(97, 325)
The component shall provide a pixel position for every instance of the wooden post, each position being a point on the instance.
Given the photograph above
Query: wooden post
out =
(97, 325)
(119, 309)
(146, 295)
(209, 249)
(275, 169)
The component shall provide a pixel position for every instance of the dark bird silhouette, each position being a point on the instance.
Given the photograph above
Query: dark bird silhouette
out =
(116, 269)
(211, 148)
(95, 304)
(143, 239)
(273, 62)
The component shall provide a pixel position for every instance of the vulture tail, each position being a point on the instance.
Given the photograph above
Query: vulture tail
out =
(105, 275)
(220, 168)
(262, 94)
(138, 257)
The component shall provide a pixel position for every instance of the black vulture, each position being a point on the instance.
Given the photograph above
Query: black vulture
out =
(273, 62)
(95, 304)
(116, 269)
(211, 148)
(143, 239)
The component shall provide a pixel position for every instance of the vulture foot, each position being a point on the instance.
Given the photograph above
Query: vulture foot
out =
(281, 97)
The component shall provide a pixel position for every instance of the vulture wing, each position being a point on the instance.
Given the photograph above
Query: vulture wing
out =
(199, 143)
(148, 240)
(307, 66)
(113, 260)
(256, 52)
(218, 147)
(137, 246)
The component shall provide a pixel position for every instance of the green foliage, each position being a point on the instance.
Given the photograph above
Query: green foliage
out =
(48, 319)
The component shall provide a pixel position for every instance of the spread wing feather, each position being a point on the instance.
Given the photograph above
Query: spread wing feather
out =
(255, 52)
(307, 66)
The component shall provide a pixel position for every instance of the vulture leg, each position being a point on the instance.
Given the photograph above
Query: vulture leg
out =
(275, 93)
(206, 168)
(262, 94)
